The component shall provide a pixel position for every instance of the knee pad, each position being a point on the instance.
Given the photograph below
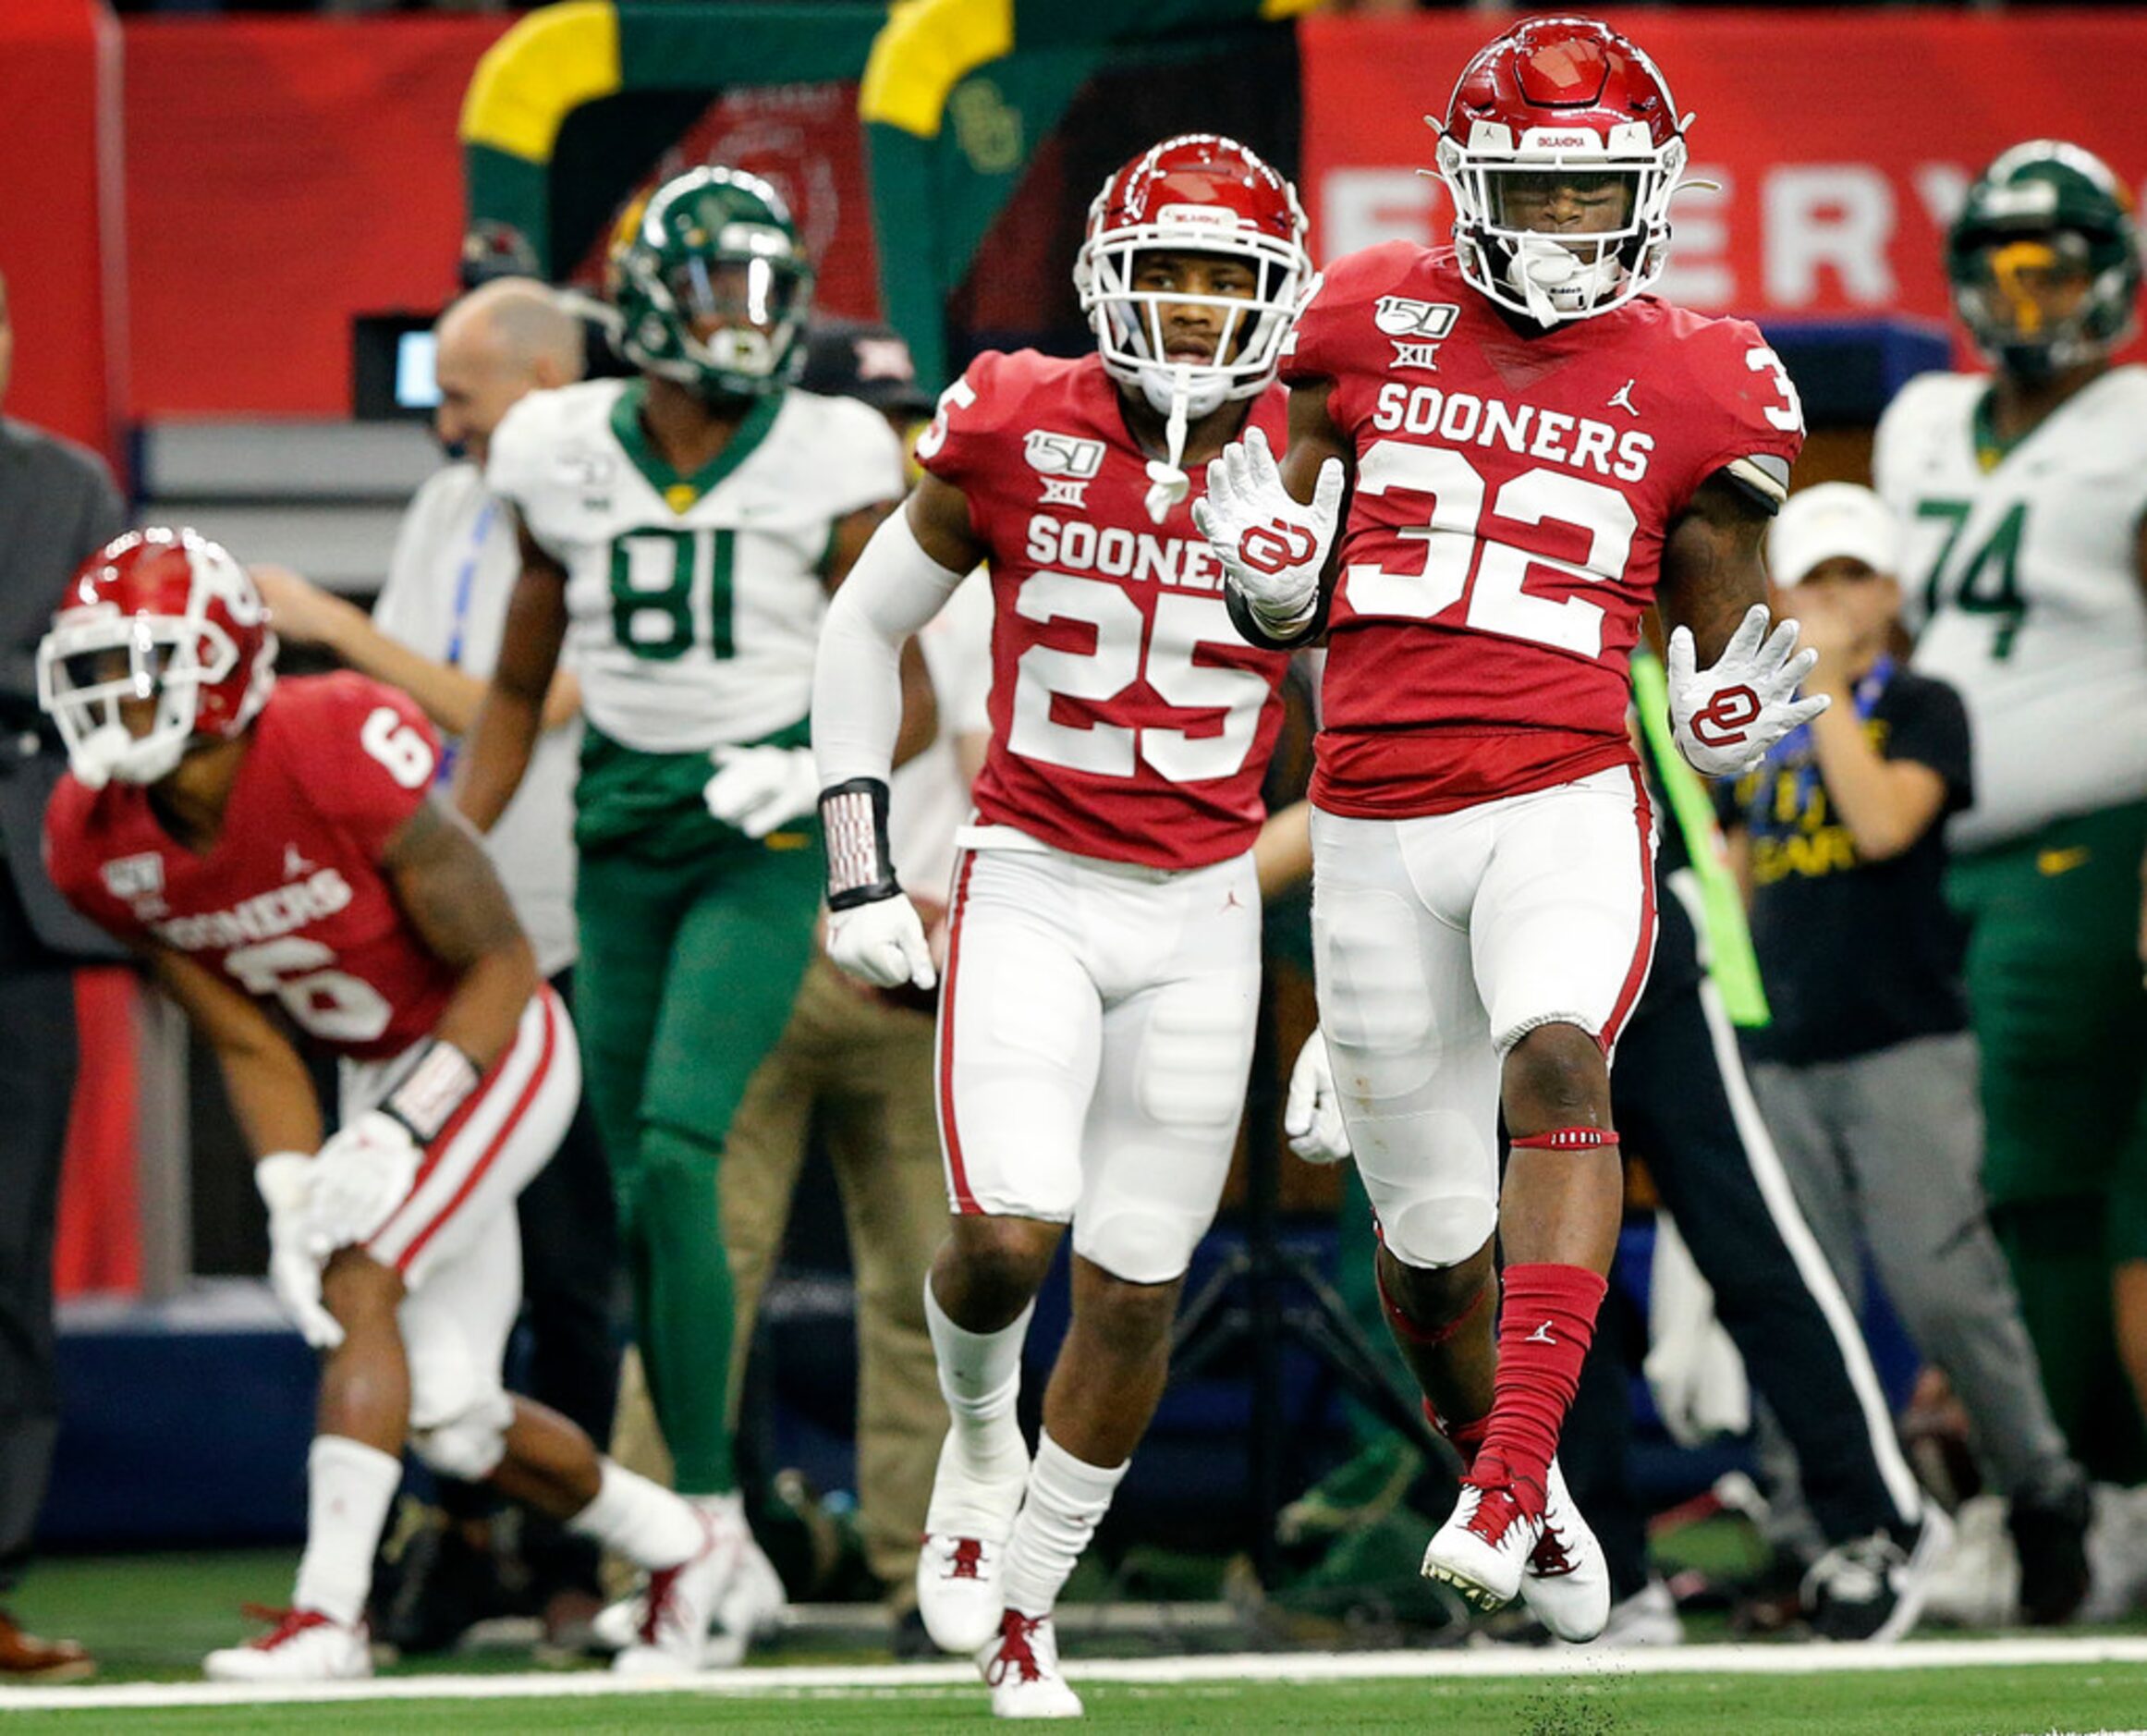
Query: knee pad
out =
(1140, 1247)
(455, 1401)
(470, 1446)
(1437, 1230)
(1433, 1180)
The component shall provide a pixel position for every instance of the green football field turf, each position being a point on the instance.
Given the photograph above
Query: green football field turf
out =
(150, 1619)
(1905, 1702)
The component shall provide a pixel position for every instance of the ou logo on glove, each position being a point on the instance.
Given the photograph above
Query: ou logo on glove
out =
(1275, 546)
(1722, 721)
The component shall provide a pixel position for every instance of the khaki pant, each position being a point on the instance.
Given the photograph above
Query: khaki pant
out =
(865, 1067)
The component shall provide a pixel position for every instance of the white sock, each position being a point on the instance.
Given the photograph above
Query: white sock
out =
(980, 1375)
(1066, 1501)
(641, 1520)
(348, 1488)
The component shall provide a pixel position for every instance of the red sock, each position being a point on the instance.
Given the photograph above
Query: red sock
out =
(1544, 1333)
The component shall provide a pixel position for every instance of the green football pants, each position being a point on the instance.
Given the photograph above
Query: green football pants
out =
(687, 975)
(2061, 1020)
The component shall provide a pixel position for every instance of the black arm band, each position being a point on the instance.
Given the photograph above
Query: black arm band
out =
(1253, 633)
(853, 819)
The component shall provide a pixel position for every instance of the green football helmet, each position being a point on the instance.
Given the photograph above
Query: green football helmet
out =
(2043, 216)
(713, 244)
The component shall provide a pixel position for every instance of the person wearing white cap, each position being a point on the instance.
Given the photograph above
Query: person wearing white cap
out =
(1867, 1072)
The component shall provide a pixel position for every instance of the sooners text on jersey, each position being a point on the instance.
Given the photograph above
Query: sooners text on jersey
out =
(1128, 719)
(289, 903)
(1505, 532)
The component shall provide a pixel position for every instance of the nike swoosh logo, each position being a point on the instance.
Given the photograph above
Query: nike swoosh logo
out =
(2052, 863)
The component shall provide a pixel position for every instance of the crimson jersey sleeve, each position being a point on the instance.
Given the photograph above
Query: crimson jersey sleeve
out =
(1320, 346)
(1754, 421)
(962, 444)
(370, 756)
(73, 860)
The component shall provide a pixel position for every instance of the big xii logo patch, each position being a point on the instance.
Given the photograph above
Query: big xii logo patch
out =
(1415, 328)
(134, 876)
(1067, 463)
(138, 881)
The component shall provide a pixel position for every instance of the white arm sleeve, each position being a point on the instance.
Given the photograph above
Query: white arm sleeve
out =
(894, 589)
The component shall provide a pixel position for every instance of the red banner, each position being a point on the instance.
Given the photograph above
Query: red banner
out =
(805, 139)
(1842, 142)
(282, 174)
(59, 217)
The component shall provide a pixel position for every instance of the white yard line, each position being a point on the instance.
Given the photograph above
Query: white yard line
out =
(838, 1679)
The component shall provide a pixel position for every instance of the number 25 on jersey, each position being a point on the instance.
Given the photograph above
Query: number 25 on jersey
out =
(1128, 649)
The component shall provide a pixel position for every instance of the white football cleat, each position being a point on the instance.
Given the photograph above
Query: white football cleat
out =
(1021, 1664)
(303, 1645)
(752, 1609)
(618, 1624)
(1647, 1618)
(1484, 1549)
(680, 1604)
(958, 1569)
(1567, 1582)
(958, 1591)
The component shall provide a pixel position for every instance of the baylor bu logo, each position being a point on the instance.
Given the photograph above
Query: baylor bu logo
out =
(1272, 546)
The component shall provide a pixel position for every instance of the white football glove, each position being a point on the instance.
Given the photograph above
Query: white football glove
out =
(1692, 1368)
(1727, 716)
(758, 790)
(1273, 550)
(1311, 1115)
(285, 1180)
(882, 942)
(359, 1177)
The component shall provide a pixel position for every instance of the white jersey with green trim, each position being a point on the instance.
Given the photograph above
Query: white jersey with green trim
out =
(694, 604)
(2022, 585)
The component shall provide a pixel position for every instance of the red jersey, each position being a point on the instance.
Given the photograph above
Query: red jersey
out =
(1130, 720)
(1505, 530)
(290, 902)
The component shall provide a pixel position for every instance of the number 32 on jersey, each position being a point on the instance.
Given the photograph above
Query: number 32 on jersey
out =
(1499, 600)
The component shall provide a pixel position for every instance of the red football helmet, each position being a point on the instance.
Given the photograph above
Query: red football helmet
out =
(157, 614)
(1197, 193)
(1561, 148)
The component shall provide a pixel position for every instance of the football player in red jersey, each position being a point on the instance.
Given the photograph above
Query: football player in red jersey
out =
(1536, 449)
(1102, 964)
(273, 848)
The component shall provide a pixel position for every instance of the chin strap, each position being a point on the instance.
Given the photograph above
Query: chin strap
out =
(1541, 268)
(1167, 484)
(1539, 271)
